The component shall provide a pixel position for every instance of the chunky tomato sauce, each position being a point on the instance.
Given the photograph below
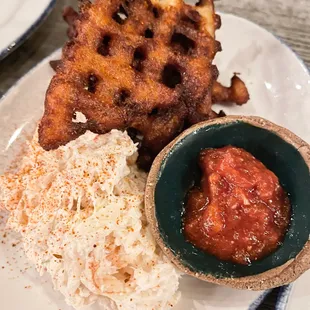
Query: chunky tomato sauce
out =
(240, 213)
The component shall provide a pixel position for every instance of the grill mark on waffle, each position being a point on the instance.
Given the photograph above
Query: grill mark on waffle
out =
(104, 46)
(149, 33)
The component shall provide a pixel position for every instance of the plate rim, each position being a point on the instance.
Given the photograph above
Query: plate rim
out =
(27, 32)
(278, 38)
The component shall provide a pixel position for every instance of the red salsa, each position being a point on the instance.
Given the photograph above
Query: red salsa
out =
(240, 212)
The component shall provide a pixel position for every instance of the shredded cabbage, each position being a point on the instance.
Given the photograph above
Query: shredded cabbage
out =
(80, 212)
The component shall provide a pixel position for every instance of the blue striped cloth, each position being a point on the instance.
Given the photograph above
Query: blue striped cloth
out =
(275, 299)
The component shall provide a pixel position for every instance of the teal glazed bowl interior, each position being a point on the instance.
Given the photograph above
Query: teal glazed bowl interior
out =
(179, 171)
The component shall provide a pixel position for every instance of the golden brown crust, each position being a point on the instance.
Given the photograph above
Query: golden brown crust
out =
(237, 92)
(133, 64)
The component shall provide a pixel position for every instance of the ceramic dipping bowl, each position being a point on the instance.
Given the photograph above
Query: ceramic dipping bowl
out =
(176, 170)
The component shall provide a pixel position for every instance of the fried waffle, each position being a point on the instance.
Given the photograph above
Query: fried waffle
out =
(137, 65)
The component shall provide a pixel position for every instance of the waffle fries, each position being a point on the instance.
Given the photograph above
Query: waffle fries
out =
(145, 66)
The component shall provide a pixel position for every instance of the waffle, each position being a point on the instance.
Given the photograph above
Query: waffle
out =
(145, 66)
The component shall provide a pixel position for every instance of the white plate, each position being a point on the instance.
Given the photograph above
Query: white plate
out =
(300, 294)
(279, 85)
(19, 19)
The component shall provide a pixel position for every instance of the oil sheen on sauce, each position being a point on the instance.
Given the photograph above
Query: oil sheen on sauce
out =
(240, 212)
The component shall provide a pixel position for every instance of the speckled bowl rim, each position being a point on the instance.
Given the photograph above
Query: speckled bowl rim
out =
(275, 277)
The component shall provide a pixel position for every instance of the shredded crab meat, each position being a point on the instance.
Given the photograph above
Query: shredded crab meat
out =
(80, 212)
